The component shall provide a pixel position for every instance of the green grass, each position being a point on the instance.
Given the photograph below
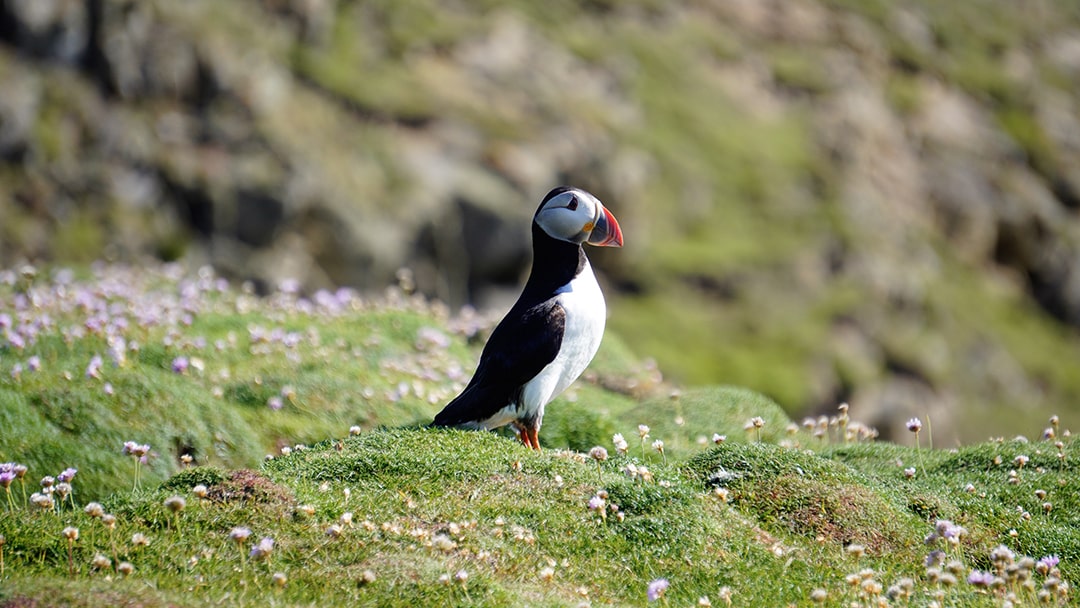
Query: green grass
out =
(425, 503)
(396, 514)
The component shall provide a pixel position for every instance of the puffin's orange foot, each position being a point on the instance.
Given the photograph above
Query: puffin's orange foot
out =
(528, 436)
(522, 435)
(534, 439)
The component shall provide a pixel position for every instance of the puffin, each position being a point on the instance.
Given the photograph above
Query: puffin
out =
(553, 330)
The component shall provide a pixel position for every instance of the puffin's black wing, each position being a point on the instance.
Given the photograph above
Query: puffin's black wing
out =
(521, 345)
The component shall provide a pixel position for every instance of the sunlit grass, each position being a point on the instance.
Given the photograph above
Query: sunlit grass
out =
(304, 474)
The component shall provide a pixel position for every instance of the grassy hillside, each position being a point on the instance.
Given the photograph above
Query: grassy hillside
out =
(823, 200)
(363, 505)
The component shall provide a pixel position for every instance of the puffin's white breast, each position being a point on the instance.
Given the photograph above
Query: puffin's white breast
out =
(586, 314)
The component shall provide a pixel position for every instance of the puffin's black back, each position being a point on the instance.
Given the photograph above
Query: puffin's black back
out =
(522, 344)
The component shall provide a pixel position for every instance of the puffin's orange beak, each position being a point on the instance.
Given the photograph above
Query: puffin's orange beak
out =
(606, 231)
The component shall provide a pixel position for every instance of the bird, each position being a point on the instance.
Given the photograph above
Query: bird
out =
(552, 332)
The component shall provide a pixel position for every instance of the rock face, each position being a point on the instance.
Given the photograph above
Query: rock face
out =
(879, 204)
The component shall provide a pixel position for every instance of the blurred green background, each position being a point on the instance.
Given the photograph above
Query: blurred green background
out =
(823, 200)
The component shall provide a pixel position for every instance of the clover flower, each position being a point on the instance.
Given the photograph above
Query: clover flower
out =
(656, 589)
(93, 369)
(1002, 557)
(1046, 564)
(9, 472)
(755, 424)
(443, 543)
(134, 449)
(118, 351)
(946, 530)
(934, 558)
(71, 534)
(138, 452)
(16, 340)
(262, 549)
(598, 454)
(94, 509)
(620, 443)
(643, 431)
(980, 579)
(239, 534)
(6, 479)
(100, 562)
(44, 502)
(180, 365)
(288, 392)
(62, 490)
(175, 504)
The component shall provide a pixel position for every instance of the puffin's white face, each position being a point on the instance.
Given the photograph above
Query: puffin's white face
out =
(574, 215)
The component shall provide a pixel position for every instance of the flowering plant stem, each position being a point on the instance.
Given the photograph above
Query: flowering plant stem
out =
(112, 545)
(71, 557)
(918, 450)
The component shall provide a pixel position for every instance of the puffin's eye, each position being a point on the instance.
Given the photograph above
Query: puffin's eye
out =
(572, 205)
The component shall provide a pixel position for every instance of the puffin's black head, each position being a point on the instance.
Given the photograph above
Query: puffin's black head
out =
(574, 215)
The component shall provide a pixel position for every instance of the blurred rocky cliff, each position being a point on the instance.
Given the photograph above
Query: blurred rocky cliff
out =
(824, 200)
